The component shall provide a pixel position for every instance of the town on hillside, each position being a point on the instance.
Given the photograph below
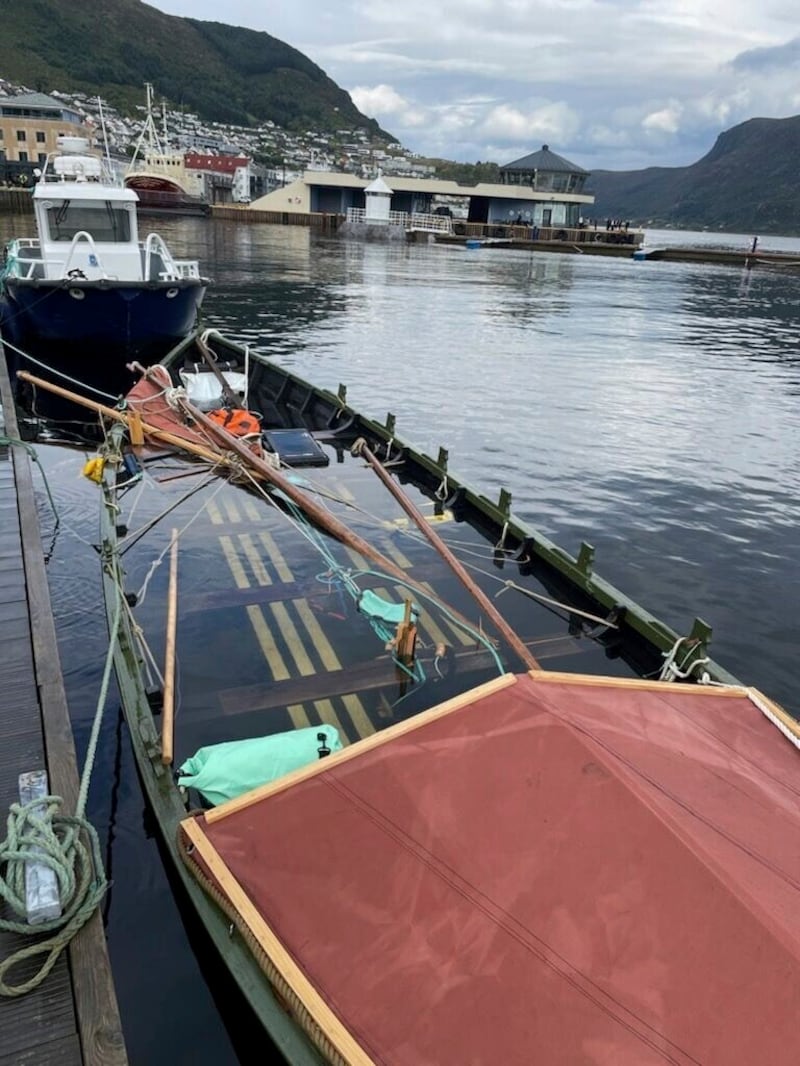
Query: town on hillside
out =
(275, 156)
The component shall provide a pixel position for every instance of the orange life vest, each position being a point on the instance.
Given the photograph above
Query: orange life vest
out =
(237, 421)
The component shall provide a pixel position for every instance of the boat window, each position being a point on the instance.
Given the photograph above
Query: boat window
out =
(104, 221)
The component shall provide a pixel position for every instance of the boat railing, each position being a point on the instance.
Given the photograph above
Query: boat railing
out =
(23, 256)
(81, 237)
(155, 249)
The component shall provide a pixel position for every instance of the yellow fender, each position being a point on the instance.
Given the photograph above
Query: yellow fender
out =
(94, 469)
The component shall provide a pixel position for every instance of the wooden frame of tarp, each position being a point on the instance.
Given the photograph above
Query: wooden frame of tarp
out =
(316, 1017)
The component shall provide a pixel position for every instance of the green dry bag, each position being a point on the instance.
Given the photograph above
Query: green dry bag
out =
(221, 771)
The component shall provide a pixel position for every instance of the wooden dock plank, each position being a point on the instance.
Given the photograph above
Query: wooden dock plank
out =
(72, 1018)
(20, 752)
(61, 1052)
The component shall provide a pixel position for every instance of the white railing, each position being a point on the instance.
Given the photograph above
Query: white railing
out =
(173, 268)
(81, 237)
(22, 265)
(430, 223)
(16, 262)
(25, 266)
(413, 221)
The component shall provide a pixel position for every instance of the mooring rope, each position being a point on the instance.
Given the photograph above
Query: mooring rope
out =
(59, 373)
(37, 831)
(15, 442)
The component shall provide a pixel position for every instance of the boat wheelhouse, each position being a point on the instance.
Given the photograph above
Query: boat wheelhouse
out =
(87, 292)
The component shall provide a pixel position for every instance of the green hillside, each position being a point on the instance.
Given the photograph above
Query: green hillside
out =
(224, 73)
(747, 182)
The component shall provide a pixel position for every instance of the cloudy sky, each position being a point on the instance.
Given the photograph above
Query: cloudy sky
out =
(614, 84)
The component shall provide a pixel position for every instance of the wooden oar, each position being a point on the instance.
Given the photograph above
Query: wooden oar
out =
(360, 448)
(309, 506)
(260, 468)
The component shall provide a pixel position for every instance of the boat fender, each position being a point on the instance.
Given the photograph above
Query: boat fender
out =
(237, 421)
(93, 470)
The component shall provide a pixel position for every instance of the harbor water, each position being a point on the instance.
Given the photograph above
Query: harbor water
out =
(648, 408)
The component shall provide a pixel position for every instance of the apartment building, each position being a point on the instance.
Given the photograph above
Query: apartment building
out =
(29, 126)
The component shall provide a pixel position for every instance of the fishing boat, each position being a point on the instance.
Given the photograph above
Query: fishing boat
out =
(457, 798)
(86, 295)
(158, 173)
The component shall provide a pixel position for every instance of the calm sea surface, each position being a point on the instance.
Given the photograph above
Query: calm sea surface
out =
(648, 408)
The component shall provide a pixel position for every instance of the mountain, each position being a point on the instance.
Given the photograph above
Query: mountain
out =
(747, 182)
(223, 73)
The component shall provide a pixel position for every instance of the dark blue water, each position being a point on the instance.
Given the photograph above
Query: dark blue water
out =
(648, 408)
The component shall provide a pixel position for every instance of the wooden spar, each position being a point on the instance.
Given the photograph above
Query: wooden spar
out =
(320, 515)
(168, 710)
(120, 416)
(515, 642)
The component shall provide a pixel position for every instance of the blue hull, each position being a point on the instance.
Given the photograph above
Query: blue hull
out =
(90, 331)
(116, 319)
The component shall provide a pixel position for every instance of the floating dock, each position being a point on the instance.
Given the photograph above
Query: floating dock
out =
(638, 251)
(71, 1019)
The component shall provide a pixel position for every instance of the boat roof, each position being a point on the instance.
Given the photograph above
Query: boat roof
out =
(84, 190)
(553, 866)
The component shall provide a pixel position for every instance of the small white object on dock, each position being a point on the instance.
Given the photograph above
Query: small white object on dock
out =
(41, 885)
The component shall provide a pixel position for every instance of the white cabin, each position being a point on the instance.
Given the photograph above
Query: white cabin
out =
(87, 226)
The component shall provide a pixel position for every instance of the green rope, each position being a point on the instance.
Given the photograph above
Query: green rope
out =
(78, 869)
(15, 442)
(55, 839)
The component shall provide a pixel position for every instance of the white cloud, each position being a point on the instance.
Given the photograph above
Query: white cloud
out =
(548, 122)
(384, 104)
(647, 82)
(667, 120)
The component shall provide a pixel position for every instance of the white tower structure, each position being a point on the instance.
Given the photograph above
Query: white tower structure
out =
(378, 197)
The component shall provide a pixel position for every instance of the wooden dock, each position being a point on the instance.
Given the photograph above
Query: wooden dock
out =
(71, 1019)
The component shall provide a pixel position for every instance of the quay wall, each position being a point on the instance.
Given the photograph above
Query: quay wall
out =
(16, 202)
(315, 219)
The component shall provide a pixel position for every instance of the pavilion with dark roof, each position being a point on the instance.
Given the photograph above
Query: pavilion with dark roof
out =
(545, 171)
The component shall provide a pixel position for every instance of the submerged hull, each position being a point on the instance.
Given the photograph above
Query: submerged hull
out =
(633, 801)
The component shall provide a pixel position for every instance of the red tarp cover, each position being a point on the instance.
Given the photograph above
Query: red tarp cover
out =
(559, 873)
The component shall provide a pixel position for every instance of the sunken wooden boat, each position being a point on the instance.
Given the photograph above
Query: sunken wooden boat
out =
(559, 834)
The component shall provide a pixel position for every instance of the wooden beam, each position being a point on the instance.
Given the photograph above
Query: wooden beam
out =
(168, 710)
(120, 416)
